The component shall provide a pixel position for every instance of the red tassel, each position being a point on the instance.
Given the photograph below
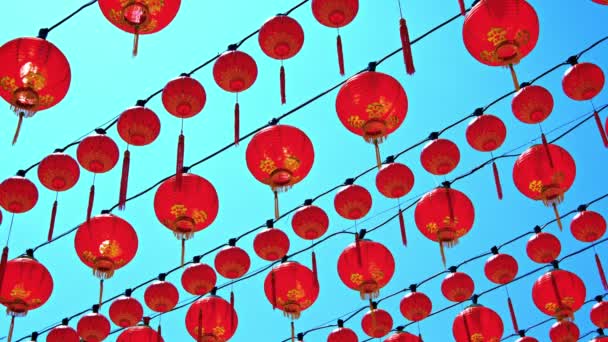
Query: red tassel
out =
(314, 268)
(274, 290)
(600, 270)
(52, 225)
(546, 145)
(442, 252)
(406, 47)
(91, 200)
(512, 312)
(3, 264)
(124, 180)
(179, 165)
(10, 330)
(159, 333)
(600, 127)
(402, 226)
(136, 42)
(358, 246)
(497, 180)
(232, 312)
(237, 123)
(340, 54)
(200, 324)
(463, 9)
(18, 129)
(283, 97)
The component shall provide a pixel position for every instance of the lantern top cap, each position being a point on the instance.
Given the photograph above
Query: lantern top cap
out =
(494, 250)
(308, 202)
(95, 308)
(270, 223)
(65, 321)
(478, 111)
(537, 229)
(390, 160)
(232, 242)
(43, 33)
(581, 208)
(196, 259)
(371, 66)
(140, 103)
(413, 288)
(21, 173)
(572, 60)
(434, 136)
(446, 184)
(128, 292)
(100, 131)
(233, 47)
(340, 323)
(162, 276)
(453, 269)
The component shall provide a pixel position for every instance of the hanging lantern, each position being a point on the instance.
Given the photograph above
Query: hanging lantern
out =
(564, 331)
(583, 81)
(310, 222)
(198, 279)
(559, 293)
(211, 318)
(501, 32)
(544, 173)
(98, 154)
(235, 71)
(457, 286)
(291, 288)
(532, 104)
(18, 194)
(271, 244)
(161, 296)
(232, 262)
(126, 311)
(372, 105)
(34, 76)
(280, 156)
(444, 215)
(599, 314)
(600, 338)
(342, 334)
(588, 226)
(63, 333)
(377, 323)
(353, 201)
(183, 97)
(137, 126)
(501, 268)
(281, 37)
(440, 157)
(336, 14)
(543, 247)
(94, 326)
(140, 333)
(477, 323)
(416, 306)
(395, 180)
(188, 209)
(57, 172)
(366, 266)
(139, 17)
(403, 336)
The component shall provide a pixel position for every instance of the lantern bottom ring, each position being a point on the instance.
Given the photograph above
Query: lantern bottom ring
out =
(374, 131)
(25, 100)
(103, 268)
(280, 179)
(135, 14)
(291, 309)
(16, 308)
(508, 52)
(369, 289)
(183, 227)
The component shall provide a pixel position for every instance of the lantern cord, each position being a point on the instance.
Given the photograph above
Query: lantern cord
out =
(514, 77)
(124, 179)
(293, 331)
(10, 329)
(10, 230)
(18, 129)
(277, 215)
(183, 252)
(100, 292)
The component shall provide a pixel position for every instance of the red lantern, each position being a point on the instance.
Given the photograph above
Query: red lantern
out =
(63, 333)
(281, 37)
(188, 209)
(600, 339)
(599, 314)
(139, 17)
(543, 247)
(457, 286)
(232, 262)
(366, 266)
(501, 268)
(444, 215)
(291, 287)
(377, 323)
(18, 194)
(564, 331)
(532, 104)
(336, 14)
(588, 226)
(353, 201)
(342, 334)
(501, 32)
(373, 105)
(310, 222)
(96, 153)
(416, 306)
(583, 81)
(477, 323)
(34, 76)
(559, 293)
(93, 327)
(161, 295)
(140, 333)
(601, 2)
(395, 180)
(211, 319)
(440, 157)
(126, 311)
(280, 156)
(198, 279)
(544, 173)
(235, 71)
(402, 336)
(271, 244)
(526, 339)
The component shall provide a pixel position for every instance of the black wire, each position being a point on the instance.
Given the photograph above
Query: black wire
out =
(71, 15)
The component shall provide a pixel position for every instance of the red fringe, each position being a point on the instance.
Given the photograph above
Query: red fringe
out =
(497, 180)
(600, 270)
(18, 129)
(52, 225)
(340, 54)
(463, 9)
(232, 311)
(91, 200)
(402, 226)
(358, 246)
(512, 312)
(600, 127)
(282, 76)
(179, 164)
(3, 264)
(407, 47)
(124, 180)
(546, 145)
(274, 290)
(314, 268)
(237, 123)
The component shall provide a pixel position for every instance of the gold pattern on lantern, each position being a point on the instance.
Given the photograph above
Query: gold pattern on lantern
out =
(199, 216)
(8, 83)
(450, 222)
(219, 331)
(551, 307)
(356, 278)
(355, 121)
(557, 177)
(267, 165)
(522, 37)
(292, 163)
(392, 121)
(536, 186)
(31, 78)
(110, 249)
(376, 273)
(89, 256)
(477, 337)
(497, 35)
(432, 227)
(378, 109)
(178, 210)
(20, 292)
(296, 293)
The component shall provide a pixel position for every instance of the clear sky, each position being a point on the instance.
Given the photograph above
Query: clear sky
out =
(448, 85)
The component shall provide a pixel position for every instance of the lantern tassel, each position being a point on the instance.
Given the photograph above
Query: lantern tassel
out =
(237, 123)
(514, 77)
(402, 226)
(378, 158)
(340, 54)
(232, 311)
(463, 9)
(314, 268)
(91, 200)
(100, 291)
(124, 180)
(358, 246)
(546, 145)
(276, 205)
(159, 333)
(3, 264)
(10, 330)
(600, 127)
(406, 47)
(282, 78)
(512, 313)
(293, 332)
(18, 129)
(179, 164)
(274, 290)
(600, 270)
(442, 252)
(183, 252)
(497, 180)
(136, 41)
(200, 324)
(558, 220)
(52, 224)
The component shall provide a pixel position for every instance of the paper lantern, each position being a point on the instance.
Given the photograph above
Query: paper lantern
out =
(543, 247)
(588, 226)
(457, 287)
(126, 311)
(564, 331)
(532, 104)
(416, 306)
(140, 333)
(18, 194)
(93, 327)
(599, 315)
(477, 323)
(501, 268)
(271, 244)
(291, 288)
(377, 323)
(559, 293)
(440, 157)
(402, 336)
(211, 319)
(63, 333)
(161, 295)
(342, 334)
(198, 279)
(394, 180)
(353, 202)
(232, 262)
(310, 222)
(583, 81)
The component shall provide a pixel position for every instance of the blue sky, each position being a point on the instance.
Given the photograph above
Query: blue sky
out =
(448, 85)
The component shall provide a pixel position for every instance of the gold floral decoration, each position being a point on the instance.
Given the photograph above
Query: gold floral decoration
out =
(355, 121)
(199, 216)
(178, 210)
(110, 249)
(536, 186)
(267, 165)
(19, 292)
(356, 278)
